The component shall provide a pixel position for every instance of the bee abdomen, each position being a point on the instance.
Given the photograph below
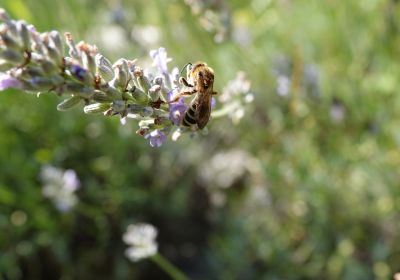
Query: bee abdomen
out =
(189, 118)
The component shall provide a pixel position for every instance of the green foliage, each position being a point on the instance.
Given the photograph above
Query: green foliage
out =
(306, 186)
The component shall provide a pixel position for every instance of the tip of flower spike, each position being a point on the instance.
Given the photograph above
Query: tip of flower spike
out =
(3, 15)
(160, 59)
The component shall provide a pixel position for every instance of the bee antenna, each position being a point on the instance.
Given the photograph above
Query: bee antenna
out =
(184, 67)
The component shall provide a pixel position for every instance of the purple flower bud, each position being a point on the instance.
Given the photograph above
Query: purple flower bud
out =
(118, 106)
(156, 138)
(41, 83)
(104, 67)
(78, 71)
(24, 35)
(121, 71)
(12, 56)
(6, 81)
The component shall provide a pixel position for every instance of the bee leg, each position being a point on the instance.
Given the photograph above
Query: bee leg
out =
(183, 81)
(180, 94)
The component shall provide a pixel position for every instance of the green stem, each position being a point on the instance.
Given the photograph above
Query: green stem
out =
(225, 110)
(168, 267)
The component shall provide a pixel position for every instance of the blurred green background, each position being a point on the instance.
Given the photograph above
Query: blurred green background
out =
(306, 186)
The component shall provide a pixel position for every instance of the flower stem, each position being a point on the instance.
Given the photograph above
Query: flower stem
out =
(168, 267)
(225, 110)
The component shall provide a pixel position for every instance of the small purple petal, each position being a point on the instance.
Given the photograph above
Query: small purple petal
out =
(213, 103)
(171, 94)
(31, 28)
(156, 138)
(160, 60)
(6, 81)
(174, 76)
(177, 112)
(78, 71)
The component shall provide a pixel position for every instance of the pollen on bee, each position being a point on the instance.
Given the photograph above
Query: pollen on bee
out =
(177, 114)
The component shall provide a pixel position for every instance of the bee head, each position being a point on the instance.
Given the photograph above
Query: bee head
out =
(205, 76)
(200, 74)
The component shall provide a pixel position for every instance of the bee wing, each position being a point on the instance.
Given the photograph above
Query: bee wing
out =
(203, 112)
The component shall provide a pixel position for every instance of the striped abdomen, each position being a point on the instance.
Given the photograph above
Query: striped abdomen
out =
(198, 112)
(190, 116)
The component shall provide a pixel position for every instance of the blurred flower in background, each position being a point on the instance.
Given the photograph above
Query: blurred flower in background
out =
(234, 98)
(283, 85)
(214, 16)
(291, 74)
(60, 187)
(312, 80)
(233, 168)
(337, 111)
(141, 239)
(241, 34)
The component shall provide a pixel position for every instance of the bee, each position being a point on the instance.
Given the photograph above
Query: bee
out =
(200, 81)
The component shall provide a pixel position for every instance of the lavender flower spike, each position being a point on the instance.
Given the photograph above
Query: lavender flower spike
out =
(6, 81)
(36, 62)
